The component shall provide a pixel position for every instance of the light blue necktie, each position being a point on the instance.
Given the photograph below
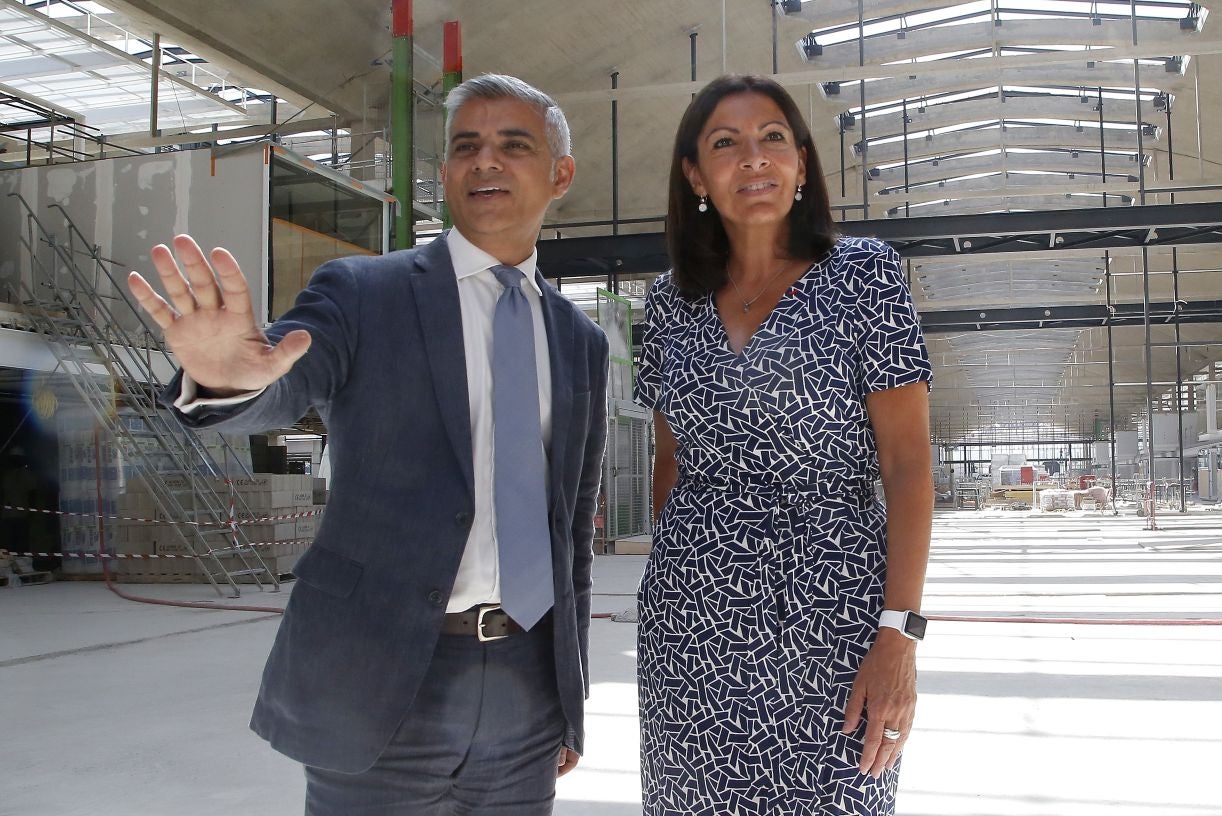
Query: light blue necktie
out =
(519, 483)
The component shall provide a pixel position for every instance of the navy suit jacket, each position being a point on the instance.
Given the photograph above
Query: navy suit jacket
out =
(386, 372)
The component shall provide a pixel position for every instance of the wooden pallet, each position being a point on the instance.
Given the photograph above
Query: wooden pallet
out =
(187, 571)
(25, 578)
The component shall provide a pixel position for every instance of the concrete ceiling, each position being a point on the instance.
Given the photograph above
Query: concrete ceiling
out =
(1028, 93)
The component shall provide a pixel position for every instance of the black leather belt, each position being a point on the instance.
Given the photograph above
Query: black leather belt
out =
(486, 623)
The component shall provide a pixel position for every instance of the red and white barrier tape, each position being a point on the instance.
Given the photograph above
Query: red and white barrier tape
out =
(261, 520)
(135, 556)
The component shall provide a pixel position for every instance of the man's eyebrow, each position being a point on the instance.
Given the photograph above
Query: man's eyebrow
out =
(511, 132)
(518, 132)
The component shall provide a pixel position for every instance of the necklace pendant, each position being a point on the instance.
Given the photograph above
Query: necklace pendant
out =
(746, 308)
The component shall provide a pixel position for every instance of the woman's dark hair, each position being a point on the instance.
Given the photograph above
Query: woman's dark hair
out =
(699, 248)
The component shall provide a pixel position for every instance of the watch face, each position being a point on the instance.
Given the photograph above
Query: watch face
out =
(914, 625)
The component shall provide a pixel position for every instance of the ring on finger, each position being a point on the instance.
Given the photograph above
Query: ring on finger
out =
(892, 734)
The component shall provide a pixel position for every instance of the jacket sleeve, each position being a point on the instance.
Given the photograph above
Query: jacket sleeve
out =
(587, 499)
(329, 309)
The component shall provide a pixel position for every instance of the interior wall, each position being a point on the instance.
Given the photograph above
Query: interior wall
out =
(126, 205)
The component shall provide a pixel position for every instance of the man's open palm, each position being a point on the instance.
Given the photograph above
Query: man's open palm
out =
(209, 323)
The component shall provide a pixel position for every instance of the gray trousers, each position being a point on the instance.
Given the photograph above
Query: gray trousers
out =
(481, 738)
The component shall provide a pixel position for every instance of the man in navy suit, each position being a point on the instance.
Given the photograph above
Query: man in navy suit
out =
(398, 677)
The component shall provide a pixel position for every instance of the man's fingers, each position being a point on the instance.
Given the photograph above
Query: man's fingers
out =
(290, 349)
(172, 279)
(566, 761)
(150, 301)
(234, 290)
(199, 272)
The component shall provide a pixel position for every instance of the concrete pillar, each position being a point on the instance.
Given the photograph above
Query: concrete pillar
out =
(1211, 408)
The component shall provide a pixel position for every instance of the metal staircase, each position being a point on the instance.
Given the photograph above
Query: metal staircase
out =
(112, 366)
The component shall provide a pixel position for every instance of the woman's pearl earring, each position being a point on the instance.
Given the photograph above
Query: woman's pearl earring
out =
(797, 196)
(704, 204)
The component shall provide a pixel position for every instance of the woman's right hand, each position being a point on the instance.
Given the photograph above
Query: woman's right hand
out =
(209, 323)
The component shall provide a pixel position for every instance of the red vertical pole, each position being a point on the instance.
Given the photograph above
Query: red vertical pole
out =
(401, 106)
(451, 66)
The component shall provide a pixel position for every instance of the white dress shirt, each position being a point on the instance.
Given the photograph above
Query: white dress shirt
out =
(478, 579)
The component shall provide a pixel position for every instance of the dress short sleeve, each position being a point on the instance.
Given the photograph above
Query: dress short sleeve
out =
(647, 391)
(889, 335)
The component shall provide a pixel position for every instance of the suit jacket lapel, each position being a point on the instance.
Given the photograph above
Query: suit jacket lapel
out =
(440, 315)
(559, 324)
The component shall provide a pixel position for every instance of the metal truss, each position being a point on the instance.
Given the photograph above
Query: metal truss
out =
(1069, 317)
(1157, 225)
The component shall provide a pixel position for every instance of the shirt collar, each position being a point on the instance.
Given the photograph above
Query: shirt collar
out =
(468, 259)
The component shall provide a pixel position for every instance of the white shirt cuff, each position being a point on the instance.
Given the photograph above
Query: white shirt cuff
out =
(187, 402)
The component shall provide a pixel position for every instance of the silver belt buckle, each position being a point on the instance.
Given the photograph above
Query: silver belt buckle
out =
(479, 625)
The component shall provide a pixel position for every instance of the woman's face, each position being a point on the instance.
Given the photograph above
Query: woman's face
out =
(747, 161)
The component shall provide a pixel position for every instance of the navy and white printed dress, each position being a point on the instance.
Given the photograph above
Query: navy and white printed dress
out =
(762, 593)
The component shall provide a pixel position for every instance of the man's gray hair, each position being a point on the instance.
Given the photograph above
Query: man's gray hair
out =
(501, 86)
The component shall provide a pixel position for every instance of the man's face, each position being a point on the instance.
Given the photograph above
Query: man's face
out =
(500, 177)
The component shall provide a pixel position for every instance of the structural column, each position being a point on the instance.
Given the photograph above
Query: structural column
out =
(451, 65)
(401, 104)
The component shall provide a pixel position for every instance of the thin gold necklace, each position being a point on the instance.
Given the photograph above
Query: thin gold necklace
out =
(760, 293)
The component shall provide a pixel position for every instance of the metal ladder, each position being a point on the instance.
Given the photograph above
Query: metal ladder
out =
(110, 365)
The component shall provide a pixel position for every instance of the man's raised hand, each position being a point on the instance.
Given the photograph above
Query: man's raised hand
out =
(209, 323)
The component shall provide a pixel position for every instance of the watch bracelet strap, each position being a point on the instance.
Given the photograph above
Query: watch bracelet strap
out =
(894, 619)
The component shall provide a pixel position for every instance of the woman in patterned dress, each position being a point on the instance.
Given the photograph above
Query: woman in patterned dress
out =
(787, 373)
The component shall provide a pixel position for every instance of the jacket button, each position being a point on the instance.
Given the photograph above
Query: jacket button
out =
(435, 598)
(462, 518)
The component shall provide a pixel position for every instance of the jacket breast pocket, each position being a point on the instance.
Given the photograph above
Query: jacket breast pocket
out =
(328, 571)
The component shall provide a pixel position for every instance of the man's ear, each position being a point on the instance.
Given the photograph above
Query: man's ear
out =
(443, 172)
(693, 177)
(562, 176)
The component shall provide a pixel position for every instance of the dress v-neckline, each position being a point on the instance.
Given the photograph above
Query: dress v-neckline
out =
(724, 331)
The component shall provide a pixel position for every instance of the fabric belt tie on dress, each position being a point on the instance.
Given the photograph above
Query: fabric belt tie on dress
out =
(486, 622)
(787, 495)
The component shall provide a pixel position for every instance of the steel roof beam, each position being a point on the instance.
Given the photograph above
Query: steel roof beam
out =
(993, 109)
(964, 206)
(1069, 317)
(1073, 72)
(1161, 35)
(1085, 162)
(1096, 228)
(826, 13)
(1009, 135)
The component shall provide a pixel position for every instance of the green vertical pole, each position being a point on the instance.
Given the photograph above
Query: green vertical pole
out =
(401, 121)
(451, 65)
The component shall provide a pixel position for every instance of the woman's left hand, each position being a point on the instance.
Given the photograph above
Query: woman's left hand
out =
(885, 691)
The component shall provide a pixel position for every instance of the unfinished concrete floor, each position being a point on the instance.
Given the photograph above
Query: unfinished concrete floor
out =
(111, 707)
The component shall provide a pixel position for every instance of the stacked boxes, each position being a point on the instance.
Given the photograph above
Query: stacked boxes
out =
(231, 454)
(92, 475)
(272, 496)
(1056, 500)
(274, 511)
(98, 475)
